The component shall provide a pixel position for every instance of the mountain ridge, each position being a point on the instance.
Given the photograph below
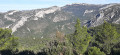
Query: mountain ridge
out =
(39, 22)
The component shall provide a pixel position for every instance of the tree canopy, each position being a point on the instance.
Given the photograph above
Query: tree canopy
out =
(106, 36)
(95, 51)
(80, 39)
(7, 40)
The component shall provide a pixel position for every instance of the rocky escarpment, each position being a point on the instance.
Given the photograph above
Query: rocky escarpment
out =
(109, 13)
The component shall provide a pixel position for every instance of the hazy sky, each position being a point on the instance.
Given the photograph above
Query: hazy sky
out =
(6, 5)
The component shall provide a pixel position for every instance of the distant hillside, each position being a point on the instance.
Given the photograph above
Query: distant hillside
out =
(45, 22)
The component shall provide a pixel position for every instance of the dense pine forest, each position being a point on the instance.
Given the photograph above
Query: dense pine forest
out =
(100, 40)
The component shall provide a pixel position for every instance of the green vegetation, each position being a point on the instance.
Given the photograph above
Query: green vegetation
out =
(80, 38)
(95, 51)
(100, 40)
(35, 44)
(106, 37)
(7, 41)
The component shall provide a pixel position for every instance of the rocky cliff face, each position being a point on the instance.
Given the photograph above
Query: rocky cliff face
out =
(110, 13)
(45, 22)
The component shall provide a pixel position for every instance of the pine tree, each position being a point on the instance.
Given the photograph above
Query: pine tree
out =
(81, 38)
(106, 37)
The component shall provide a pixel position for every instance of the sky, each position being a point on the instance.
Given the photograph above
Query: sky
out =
(6, 5)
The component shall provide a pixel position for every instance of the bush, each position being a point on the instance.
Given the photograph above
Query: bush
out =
(95, 51)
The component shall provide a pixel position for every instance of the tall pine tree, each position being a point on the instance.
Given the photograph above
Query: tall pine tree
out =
(81, 38)
(106, 37)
